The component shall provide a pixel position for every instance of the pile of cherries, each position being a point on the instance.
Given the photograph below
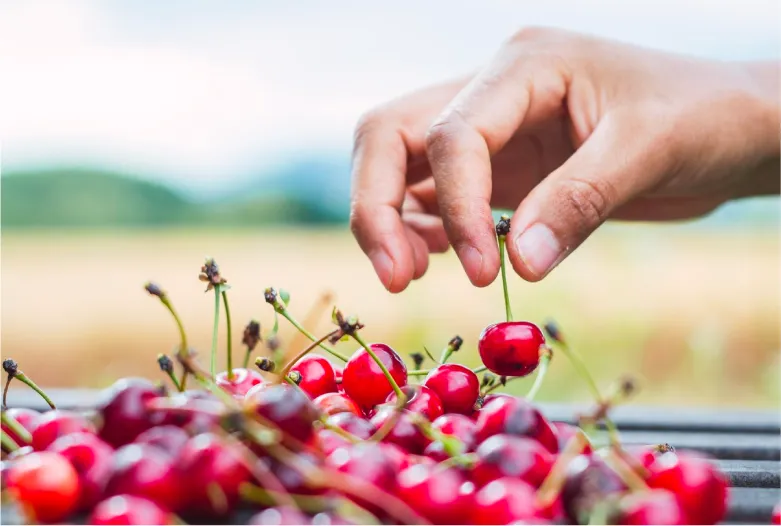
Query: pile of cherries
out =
(304, 441)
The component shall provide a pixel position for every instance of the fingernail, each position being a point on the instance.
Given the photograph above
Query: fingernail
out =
(539, 249)
(383, 266)
(471, 259)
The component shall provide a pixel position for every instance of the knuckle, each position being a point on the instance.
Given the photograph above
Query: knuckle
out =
(440, 135)
(590, 200)
(367, 123)
(531, 34)
(358, 213)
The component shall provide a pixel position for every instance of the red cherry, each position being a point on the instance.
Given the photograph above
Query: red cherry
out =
(368, 462)
(355, 425)
(27, 418)
(54, 424)
(209, 465)
(460, 426)
(363, 379)
(511, 348)
(565, 432)
(195, 411)
(515, 416)
(440, 495)
(145, 471)
(317, 375)
(127, 509)
(421, 400)
(45, 484)
(328, 441)
(285, 406)
(92, 459)
(456, 385)
(700, 487)
(293, 478)
(243, 380)
(123, 410)
(333, 403)
(280, 515)
(169, 439)
(588, 481)
(504, 501)
(651, 507)
(775, 518)
(404, 433)
(510, 456)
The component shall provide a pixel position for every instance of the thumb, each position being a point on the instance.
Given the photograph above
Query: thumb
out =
(608, 170)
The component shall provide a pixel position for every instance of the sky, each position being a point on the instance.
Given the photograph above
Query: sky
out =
(199, 94)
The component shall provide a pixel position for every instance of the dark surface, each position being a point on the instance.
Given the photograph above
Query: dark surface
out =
(746, 445)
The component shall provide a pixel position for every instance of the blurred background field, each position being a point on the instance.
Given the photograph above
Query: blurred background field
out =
(143, 137)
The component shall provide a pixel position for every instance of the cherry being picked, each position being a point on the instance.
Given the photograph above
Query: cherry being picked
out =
(304, 438)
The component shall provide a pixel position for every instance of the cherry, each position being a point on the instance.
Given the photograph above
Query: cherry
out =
(27, 418)
(317, 375)
(285, 406)
(127, 509)
(363, 379)
(421, 400)
(292, 478)
(45, 484)
(280, 515)
(328, 441)
(460, 426)
(440, 495)
(123, 410)
(588, 481)
(357, 426)
(212, 472)
(701, 488)
(404, 433)
(368, 462)
(54, 424)
(145, 471)
(565, 432)
(511, 348)
(332, 403)
(504, 501)
(510, 456)
(195, 411)
(169, 439)
(515, 416)
(775, 518)
(398, 457)
(651, 507)
(456, 385)
(243, 380)
(92, 459)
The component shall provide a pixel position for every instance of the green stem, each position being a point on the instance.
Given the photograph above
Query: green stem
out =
(333, 352)
(215, 329)
(541, 372)
(430, 356)
(480, 369)
(23, 378)
(339, 431)
(8, 443)
(396, 389)
(247, 357)
(17, 428)
(451, 444)
(182, 334)
(508, 311)
(224, 294)
(419, 372)
(172, 376)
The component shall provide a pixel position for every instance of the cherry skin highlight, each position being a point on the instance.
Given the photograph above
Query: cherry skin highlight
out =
(317, 375)
(333, 403)
(435, 493)
(421, 400)
(127, 510)
(123, 410)
(93, 461)
(504, 501)
(404, 432)
(46, 485)
(515, 416)
(509, 456)
(280, 515)
(145, 471)
(457, 386)
(54, 424)
(511, 348)
(243, 380)
(363, 380)
(169, 439)
(357, 426)
(286, 407)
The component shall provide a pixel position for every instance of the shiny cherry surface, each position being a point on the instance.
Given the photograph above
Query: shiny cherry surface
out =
(333, 403)
(457, 387)
(123, 410)
(515, 416)
(169, 439)
(27, 418)
(651, 507)
(286, 407)
(242, 381)
(404, 432)
(46, 484)
(504, 501)
(145, 471)
(440, 495)
(355, 425)
(420, 400)
(127, 510)
(93, 461)
(510, 456)
(363, 379)
(317, 375)
(511, 348)
(53, 424)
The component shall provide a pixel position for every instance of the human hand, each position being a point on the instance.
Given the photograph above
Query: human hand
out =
(571, 130)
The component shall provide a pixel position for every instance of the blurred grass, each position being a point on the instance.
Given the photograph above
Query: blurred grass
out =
(694, 314)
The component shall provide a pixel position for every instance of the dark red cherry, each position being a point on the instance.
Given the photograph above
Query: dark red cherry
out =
(515, 416)
(170, 439)
(27, 418)
(421, 400)
(286, 407)
(566, 432)
(511, 456)
(404, 433)
(504, 501)
(367, 462)
(357, 426)
(457, 387)
(440, 495)
(54, 424)
(145, 471)
(195, 411)
(212, 472)
(511, 348)
(328, 441)
(243, 380)
(700, 487)
(280, 515)
(123, 410)
(317, 375)
(363, 379)
(588, 482)
(93, 461)
(293, 478)
(127, 510)
(650, 507)
(332, 403)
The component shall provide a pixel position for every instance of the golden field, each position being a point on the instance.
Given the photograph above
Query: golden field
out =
(693, 314)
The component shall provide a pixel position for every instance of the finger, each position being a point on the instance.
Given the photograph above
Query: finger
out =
(419, 253)
(477, 124)
(568, 205)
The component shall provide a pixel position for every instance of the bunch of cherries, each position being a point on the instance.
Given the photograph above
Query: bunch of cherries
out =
(300, 440)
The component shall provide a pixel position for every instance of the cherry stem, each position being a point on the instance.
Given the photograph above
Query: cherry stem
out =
(285, 314)
(430, 356)
(628, 475)
(32, 385)
(339, 431)
(396, 389)
(480, 369)
(18, 429)
(224, 294)
(542, 370)
(508, 310)
(8, 443)
(419, 372)
(311, 318)
(463, 460)
(5, 389)
(215, 329)
(553, 483)
(452, 445)
(446, 352)
(172, 376)
(247, 357)
(166, 301)
(306, 351)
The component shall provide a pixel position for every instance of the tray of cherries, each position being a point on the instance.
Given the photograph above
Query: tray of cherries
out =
(306, 438)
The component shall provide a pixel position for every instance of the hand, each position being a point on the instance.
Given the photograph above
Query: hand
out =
(571, 130)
